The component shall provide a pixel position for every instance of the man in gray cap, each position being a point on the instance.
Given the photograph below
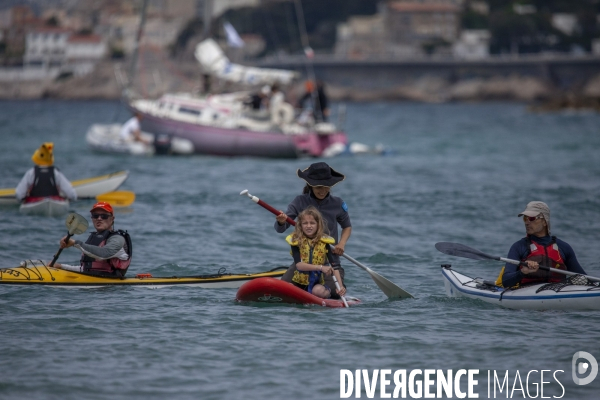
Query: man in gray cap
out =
(539, 248)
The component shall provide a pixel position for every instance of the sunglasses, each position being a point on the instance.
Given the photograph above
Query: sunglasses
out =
(531, 219)
(101, 216)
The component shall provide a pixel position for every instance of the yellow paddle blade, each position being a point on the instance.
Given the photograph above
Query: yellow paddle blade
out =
(121, 198)
(7, 192)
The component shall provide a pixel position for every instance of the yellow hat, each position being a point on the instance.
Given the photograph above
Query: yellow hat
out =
(44, 157)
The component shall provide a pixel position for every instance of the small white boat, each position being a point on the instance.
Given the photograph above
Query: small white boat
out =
(556, 296)
(106, 138)
(53, 206)
(86, 188)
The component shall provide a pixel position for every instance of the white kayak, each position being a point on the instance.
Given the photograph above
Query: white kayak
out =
(86, 188)
(556, 296)
(106, 138)
(46, 206)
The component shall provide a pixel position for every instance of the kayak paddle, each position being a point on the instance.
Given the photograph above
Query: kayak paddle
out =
(337, 286)
(76, 225)
(460, 250)
(121, 198)
(390, 289)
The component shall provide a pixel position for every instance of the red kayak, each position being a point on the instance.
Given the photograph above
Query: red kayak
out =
(273, 291)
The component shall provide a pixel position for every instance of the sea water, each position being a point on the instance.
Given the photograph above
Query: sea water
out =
(456, 172)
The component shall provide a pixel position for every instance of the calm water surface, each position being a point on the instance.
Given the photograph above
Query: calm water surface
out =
(459, 173)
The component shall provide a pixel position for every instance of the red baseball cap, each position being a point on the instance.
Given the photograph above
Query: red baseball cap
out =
(103, 206)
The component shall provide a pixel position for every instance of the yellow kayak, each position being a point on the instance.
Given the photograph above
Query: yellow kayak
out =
(85, 188)
(38, 273)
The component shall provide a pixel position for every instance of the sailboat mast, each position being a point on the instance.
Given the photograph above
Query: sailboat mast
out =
(309, 66)
(207, 18)
(136, 45)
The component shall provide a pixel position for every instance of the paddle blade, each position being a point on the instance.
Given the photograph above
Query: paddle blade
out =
(389, 288)
(120, 198)
(460, 250)
(76, 224)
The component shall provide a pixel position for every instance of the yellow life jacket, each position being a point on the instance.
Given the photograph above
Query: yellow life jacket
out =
(316, 255)
(499, 278)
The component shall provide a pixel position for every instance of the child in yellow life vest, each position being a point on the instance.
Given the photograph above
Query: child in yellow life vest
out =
(311, 248)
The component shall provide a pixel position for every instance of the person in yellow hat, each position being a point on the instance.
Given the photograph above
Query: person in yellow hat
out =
(44, 180)
(106, 252)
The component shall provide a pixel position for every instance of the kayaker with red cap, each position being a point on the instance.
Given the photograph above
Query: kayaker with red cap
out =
(106, 252)
(320, 178)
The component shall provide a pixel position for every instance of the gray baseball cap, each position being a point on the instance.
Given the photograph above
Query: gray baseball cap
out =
(535, 208)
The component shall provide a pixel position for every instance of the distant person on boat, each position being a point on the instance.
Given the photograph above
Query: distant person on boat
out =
(106, 252)
(320, 178)
(131, 131)
(44, 180)
(281, 112)
(538, 248)
(276, 97)
(311, 248)
(259, 101)
(321, 97)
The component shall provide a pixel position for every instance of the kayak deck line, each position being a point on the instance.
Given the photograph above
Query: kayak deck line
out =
(538, 296)
(579, 290)
(38, 273)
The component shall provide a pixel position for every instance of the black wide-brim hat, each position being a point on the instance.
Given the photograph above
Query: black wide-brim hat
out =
(321, 174)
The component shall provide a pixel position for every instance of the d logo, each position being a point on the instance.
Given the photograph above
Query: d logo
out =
(582, 367)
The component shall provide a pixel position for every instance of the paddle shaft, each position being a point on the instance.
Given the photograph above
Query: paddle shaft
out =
(273, 210)
(337, 286)
(460, 250)
(59, 251)
(545, 268)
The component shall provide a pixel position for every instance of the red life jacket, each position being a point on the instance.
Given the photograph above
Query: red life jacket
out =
(112, 266)
(548, 256)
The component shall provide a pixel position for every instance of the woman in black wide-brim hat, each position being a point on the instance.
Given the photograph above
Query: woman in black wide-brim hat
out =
(320, 178)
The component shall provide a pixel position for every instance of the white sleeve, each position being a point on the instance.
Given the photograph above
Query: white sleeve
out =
(277, 99)
(76, 268)
(64, 185)
(132, 125)
(25, 184)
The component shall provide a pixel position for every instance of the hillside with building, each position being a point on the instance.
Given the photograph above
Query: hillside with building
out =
(426, 50)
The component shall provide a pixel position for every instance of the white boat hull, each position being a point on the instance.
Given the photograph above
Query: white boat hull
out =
(48, 207)
(572, 297)
(106, 138)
